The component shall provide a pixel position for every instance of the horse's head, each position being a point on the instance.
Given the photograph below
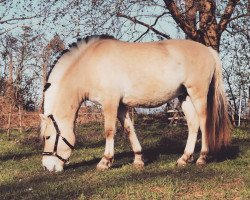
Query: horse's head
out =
(57, 145)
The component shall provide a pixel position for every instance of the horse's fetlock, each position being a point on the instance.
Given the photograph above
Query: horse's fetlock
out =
(127, 130)
(202, 160)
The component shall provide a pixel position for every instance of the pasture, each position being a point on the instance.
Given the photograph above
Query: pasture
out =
(22, 177)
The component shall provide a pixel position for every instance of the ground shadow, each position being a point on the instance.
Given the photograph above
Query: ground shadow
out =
(230, 153)
(17, 156)
(82, 164)
(165, 146)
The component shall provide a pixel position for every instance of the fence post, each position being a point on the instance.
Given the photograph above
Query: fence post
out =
(20, 119)
(9, 120)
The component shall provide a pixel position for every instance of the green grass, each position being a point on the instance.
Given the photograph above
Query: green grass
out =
(22, 177)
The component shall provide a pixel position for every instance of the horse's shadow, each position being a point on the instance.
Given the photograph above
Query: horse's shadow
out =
(17, 156)
(165, 146)
(229, 153)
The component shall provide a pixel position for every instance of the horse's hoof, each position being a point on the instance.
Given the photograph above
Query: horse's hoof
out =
(181, 162)
(201, 162)
(104, 164)
(102, 167)
(185, 159)
(138, 165)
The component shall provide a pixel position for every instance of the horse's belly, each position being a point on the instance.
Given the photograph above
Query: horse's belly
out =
(150, 98)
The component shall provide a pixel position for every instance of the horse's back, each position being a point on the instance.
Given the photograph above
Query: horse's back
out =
(151, 56)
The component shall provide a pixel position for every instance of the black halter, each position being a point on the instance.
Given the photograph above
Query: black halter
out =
(58, 135)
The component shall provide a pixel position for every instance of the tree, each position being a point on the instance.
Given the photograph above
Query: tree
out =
(22, 70)
(54, 46)
(198, 19)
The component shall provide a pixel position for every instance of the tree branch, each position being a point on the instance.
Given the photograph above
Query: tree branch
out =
(142, 35)
(239, 16)
(150, 27)
(156, 20)
(180, 19)
(225, 19)
(18, 18)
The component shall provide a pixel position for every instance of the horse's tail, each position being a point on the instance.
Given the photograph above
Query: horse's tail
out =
(217, 124)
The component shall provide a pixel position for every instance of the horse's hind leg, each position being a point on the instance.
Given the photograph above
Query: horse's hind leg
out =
(199, 100)
(126, 122)
(193, 126)
(110, 114)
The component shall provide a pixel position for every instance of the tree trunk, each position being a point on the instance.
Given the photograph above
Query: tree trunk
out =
(44, 68)
(10, 90)
(191, 8)
(10, 80)
(249, 103)
(44, 71)
(208, 31)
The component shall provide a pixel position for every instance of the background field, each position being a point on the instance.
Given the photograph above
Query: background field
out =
(22, 177)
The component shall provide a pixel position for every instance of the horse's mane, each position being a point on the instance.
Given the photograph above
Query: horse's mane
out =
(75, 45)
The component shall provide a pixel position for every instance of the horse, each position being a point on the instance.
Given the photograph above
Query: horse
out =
(118, 75)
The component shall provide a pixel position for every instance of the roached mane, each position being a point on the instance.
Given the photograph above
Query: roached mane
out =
(74, 45)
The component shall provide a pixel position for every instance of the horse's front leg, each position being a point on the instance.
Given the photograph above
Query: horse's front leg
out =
(127, 124)
(110, 114)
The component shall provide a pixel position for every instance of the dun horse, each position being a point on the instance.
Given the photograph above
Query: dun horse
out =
(118, 74)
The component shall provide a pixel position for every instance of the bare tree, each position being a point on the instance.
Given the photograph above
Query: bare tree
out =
(54, 46)
(199, 20)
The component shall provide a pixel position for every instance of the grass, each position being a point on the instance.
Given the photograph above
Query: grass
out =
(22, 177)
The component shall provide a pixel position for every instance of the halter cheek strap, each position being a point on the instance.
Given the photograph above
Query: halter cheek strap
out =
(58, 135)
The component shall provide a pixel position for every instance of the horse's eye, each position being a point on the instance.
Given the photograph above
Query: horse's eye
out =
(47, 137)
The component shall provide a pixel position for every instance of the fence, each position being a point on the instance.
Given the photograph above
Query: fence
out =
(25, 121)
(31, 120)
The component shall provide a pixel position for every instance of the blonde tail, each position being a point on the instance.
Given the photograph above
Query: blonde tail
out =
(218, 123)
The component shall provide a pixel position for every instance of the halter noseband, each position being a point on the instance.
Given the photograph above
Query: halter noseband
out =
(58, 135)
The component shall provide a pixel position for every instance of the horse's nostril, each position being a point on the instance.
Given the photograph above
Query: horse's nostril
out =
(45, 168)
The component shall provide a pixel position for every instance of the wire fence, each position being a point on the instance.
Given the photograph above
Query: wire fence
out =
(24, 121)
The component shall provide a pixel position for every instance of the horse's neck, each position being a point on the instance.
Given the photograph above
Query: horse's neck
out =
(67, 111)
(63, 106)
